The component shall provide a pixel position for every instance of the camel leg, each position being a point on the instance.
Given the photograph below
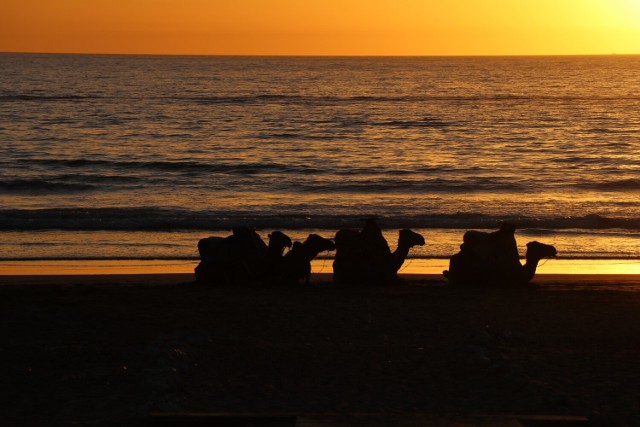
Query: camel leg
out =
(307, 274)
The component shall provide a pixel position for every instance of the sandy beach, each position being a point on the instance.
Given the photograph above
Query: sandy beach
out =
(111, 350)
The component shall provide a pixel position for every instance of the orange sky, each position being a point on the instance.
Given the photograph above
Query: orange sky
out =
(322, 27)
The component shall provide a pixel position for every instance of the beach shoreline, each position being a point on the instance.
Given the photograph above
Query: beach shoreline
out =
(412, 266)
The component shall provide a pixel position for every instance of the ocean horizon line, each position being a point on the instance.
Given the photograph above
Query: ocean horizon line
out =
(524, 55)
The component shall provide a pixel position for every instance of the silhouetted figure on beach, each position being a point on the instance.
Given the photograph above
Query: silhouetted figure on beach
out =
(364, 257)
(296, 264)
(240, 258)
(492, 259)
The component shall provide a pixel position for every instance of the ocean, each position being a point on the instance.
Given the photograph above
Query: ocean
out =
(108, 157)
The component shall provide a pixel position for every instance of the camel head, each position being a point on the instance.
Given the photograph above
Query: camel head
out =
(537, 251)
(409, 239)
(319, 244)
(278, 241)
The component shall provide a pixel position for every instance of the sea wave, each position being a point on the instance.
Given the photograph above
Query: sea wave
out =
(426, 122)
(44, 98)
(324, 99)
(39, 186)
(99, 179)
(250, 168)
(613, 185)
(163, 219)
(79, 174)
(66, 183)
(258, 99)
(391, 185)
(285, 178)
(173, 166)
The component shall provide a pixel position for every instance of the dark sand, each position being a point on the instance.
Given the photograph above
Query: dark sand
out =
(109, 350)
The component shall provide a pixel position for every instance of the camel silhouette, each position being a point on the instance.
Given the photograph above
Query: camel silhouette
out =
(240, 258)
(491, 259)
(364, 257)
(296, 264)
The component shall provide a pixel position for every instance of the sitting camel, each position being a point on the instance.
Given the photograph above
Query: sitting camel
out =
(365, 257)
(239, 258)
(491, 259)
(296, 264)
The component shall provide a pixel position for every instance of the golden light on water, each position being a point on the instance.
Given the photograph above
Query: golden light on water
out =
(319, 266)
(328, 27)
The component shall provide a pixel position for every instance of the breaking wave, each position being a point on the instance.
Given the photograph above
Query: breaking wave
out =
(615, 185)
(302, 99)
(159, 219)
(44, 98)
(38, 186)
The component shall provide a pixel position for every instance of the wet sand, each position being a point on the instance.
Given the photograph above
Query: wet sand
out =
(110, 350)
(413, 267)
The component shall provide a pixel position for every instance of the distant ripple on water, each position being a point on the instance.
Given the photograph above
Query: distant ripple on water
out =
(189, 143)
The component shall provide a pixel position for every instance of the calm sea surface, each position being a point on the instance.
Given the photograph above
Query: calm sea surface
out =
(137, 157)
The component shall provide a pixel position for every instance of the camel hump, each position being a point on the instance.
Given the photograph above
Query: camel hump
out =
(243, 231)
(475, 237)
(508, 227)
(211, 247)
(280, 239)
(346, 237)
(539, 250)
(249, 242)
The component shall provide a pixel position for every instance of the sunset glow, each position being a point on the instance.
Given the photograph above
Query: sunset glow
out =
(318, 266)
(329, 27)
